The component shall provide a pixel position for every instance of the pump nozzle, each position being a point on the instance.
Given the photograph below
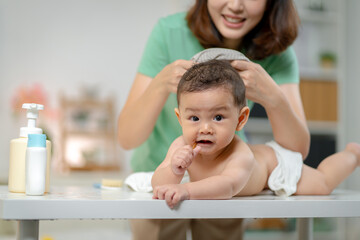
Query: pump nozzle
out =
(32, 114)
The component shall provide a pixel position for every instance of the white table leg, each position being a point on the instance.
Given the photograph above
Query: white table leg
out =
(28, 230)
(305, 228)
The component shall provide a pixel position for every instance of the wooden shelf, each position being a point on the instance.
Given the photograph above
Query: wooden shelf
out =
(87, 102)
(319, 99)
(88, 134)
(94, 167)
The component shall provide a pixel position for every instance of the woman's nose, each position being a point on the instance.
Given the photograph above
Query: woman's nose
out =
(206, 129)
(236, 5)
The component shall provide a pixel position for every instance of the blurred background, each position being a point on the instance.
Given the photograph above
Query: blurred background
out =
(79, 58)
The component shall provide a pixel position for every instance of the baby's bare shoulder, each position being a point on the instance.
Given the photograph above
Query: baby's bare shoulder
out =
(242, 147)
(242, 153)
(178, 142)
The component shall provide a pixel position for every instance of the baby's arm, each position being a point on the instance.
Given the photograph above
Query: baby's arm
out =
(225, 185)
(177, 160)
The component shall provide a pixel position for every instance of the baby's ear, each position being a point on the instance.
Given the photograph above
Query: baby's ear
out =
(177, 112)
(243, 117)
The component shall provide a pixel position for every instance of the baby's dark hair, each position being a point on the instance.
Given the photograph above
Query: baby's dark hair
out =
(213, 74)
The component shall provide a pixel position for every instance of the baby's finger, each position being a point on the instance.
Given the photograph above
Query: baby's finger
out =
(161, 193)
(168, 197)
(176, 199)
(155, 192)
(154, 196)
(196, 150)
(184, 164)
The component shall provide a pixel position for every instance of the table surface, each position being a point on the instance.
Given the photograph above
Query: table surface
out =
(79, 202)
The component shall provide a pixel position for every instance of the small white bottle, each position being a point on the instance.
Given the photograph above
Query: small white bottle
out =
(35, 175)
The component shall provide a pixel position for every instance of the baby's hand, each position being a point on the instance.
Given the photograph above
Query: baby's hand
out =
(183, 158)
(171, 193)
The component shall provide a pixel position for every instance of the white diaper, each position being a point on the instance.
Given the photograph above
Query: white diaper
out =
(284, 178)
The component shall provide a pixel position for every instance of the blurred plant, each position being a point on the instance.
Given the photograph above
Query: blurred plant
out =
(317, 5)
(328, 59)
(28, 94)
(34, 93)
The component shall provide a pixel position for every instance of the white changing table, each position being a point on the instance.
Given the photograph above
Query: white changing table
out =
(74, 202)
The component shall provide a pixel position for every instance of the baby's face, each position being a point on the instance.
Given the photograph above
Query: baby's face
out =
(209, 119)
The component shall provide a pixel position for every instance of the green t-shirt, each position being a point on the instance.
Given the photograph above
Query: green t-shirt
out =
(170, 40)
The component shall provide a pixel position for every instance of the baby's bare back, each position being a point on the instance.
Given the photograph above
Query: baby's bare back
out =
(265, 162)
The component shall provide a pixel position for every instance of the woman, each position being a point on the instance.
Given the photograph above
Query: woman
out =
(261, 29)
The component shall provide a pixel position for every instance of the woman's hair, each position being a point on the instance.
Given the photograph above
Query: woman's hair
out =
(213, 74)
(274, 33)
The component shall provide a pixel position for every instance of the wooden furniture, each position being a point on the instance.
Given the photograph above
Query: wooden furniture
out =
(75, 202)
(88, 134)
(320, 99)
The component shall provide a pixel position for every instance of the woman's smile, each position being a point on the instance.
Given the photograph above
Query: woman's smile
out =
(233, 21)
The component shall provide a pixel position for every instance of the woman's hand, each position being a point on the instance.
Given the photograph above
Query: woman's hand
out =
(146, 99)
(282, 104)
(170, 76)
(171, 193)
(260, 87)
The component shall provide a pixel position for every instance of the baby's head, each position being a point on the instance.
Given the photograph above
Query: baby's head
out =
(212, 105)
(210, 75)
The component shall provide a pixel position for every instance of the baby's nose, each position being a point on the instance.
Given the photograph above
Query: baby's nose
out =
(206, 129)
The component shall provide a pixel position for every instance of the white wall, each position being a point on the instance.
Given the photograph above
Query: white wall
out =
(350, 99)
(352, 84)
(351, 87)
(63, 44)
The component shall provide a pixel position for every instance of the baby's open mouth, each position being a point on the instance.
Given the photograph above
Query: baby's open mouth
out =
(204, 142)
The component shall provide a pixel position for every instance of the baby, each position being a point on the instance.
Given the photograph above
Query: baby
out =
(211, 107)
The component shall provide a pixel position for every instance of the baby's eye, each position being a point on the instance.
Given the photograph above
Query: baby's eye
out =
(218, 118)
(194, 118)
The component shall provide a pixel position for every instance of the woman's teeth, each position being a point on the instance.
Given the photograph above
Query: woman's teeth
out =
(233, 20)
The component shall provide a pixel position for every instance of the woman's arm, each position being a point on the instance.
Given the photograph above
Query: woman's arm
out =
(282, 104)
(287, 119)
(146, 99)
(139, 114)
